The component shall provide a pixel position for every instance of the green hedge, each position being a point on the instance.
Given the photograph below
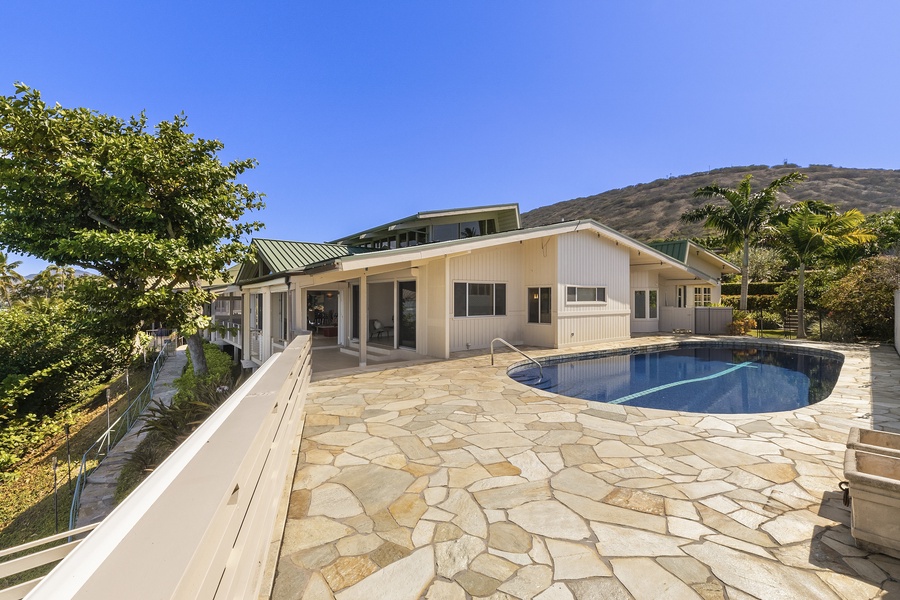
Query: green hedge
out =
(762, 288)
(753, 302)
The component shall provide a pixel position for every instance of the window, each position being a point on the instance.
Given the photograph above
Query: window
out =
(681, 294)
(539, 305)
(458, 231)
(646, 304)
(479, 299)
(702, 296)
(577, 293)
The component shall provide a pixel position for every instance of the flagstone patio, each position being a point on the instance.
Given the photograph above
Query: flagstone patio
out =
(449, 480)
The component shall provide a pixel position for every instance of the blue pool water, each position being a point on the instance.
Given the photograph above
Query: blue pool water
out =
(693, 377)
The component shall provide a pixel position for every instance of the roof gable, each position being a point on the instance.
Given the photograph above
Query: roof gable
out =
(271, 257)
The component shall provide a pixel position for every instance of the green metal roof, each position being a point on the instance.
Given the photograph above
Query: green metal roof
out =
(676, 249)
(282, 256)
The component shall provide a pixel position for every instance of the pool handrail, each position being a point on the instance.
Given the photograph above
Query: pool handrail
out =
(511, 347)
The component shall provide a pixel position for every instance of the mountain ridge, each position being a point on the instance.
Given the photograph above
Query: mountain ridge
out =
(652, 211)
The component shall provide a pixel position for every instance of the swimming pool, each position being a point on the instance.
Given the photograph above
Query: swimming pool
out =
(692, 377)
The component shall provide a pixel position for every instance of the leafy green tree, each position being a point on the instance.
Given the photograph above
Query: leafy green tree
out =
(155, 212)
(49, 357)
(766, 264)
(809, 231)
(863, 300)
(741, 220)
(9, 278)
(49, 283)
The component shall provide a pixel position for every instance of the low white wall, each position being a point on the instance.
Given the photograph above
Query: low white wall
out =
(206, 522)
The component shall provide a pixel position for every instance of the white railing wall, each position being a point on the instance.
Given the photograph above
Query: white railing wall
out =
(208, 522)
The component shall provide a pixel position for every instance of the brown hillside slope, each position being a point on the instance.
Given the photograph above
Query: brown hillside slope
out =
(651, 211)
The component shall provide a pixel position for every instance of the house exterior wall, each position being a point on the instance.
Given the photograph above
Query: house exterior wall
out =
(541, 267)
(501, 264)
(584, 258)
(434, 313)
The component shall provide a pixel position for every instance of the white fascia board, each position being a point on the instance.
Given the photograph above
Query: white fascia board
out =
(712, 257)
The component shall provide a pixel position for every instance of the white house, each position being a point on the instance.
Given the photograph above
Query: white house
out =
(444, 281)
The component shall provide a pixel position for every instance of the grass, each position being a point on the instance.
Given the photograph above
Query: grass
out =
(30, 506)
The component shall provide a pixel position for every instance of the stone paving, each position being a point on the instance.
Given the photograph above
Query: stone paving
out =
(98, 496)
(450, 480)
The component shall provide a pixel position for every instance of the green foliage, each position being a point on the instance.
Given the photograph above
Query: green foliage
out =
(49, 357)
(754, 303)
(766, 264)
(154, 212)
(20, 435)
(169, 425)
(9, 279)
(741, 323)
(815, 284)
(762, 288)
(863, 300)
(743, 216)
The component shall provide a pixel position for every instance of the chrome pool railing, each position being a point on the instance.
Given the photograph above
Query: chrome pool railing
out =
(511, 347)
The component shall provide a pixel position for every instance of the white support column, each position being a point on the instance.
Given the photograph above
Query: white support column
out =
(265, 336)
(363, 318)
(396, 314)
(448, 306)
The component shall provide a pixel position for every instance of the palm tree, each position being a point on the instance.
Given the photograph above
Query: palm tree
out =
(742, 219)
(9, 278)
(807, 231)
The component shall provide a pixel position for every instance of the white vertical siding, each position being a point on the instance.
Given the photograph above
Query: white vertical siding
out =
(585, 258)
(500, 264)
(433, 314)
(540, 270)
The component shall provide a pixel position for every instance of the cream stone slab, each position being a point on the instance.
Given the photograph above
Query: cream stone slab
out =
(557, 591)
(407, 579)
(333, 500)
(607, 513)
(759, 577)
(529, 581)
(549, 518)
(575, 561)
(646, 580)
(530, 466)
(511, 496)
(487, 441)
(614, 540)
(539, 552)
(454, 556)
(493, 566)
(445, 590)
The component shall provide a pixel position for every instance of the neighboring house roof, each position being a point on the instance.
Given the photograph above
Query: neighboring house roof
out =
(281, 256)
(508, 217)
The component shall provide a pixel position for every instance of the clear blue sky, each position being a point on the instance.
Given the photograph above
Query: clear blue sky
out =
(363, 112)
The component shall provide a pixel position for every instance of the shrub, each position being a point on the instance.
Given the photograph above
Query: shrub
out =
(741, 323)
(862, 302)
(169, 425)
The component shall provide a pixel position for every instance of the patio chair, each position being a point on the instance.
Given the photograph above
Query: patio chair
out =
(376, 329)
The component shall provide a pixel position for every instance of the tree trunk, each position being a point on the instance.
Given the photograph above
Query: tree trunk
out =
(801, 282)
(745, 273)
(198, 358)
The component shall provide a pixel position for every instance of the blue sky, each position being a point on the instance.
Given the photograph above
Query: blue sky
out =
(363, 112)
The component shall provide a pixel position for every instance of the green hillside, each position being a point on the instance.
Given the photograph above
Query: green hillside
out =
(652, 210)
